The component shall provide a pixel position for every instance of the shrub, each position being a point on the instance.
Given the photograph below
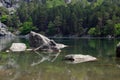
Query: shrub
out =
(117, 29)
(92, 31)
(4, 18)
(27, 27)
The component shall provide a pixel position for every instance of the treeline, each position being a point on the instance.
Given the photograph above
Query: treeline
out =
(56, 18)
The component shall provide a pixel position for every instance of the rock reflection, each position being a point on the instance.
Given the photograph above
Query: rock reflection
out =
(10, 68)
(11, 64)
(49, 57)
(117, 62)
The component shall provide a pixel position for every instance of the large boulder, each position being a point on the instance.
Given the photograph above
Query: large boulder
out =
(18, 47)
(79, 58)
(42, 42)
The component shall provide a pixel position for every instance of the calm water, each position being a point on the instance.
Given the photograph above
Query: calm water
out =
(51, 66)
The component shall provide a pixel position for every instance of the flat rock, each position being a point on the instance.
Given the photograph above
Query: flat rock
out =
(79, 58)
(18, 47)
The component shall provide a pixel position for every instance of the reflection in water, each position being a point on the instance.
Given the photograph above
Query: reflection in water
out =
(50, 66)
(49, 57)
(11, 64)
(12, 68)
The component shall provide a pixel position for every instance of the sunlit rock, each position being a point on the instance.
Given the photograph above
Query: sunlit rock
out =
(18, 47)
(79, 58)
(1, 5)
(29, 49)
(39, 41)
(60, 46)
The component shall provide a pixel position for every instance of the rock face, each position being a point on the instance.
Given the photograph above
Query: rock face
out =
(41, 42)
(67, 1)
(4, 31)
(18, 47)
(79, 58)
(12, 3)
(118, 50)
(1, 5)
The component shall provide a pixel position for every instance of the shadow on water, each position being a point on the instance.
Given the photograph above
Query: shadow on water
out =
(50, 66)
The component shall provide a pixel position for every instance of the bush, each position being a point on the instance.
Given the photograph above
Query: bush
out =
(3, 11)
(51, 29)
(26, 28)
(11, 29)
(4, 18)
(92, 31)
(117, 29)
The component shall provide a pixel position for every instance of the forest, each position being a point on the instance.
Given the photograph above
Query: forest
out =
(78, 18)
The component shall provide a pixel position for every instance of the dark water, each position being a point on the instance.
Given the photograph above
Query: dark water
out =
(51, 66)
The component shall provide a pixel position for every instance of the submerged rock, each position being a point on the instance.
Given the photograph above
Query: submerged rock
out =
(18, 47)
(79, 58)
(40, 42)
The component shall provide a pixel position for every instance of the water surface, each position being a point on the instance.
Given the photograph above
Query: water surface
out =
(51, 66)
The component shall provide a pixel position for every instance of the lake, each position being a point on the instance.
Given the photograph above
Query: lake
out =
(52, 66)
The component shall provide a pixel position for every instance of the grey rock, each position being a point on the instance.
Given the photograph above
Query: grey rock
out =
(42, 42)
(1, 5)
(4, 30)
(18, 47)
(79, 58)
(68, 1)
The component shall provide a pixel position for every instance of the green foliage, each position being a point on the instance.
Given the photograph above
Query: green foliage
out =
(54, 17)
(11, 29)
(14, 21)
(4, 18)
(26, 27)
(3, 56)
(92, 31)
(98, 3)
(3, 11)
(51, 29)
(54, 3)
(117, 29)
